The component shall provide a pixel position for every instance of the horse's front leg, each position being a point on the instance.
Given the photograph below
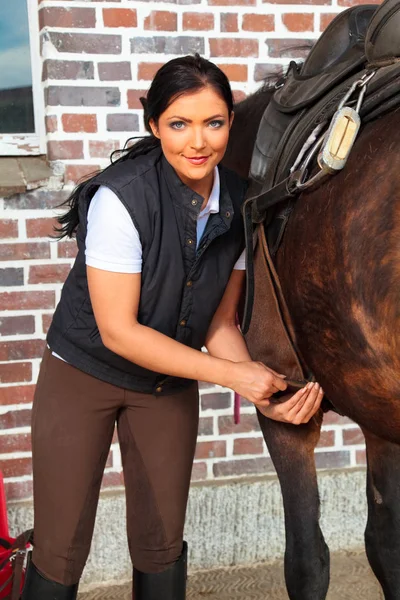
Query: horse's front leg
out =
(382, 534)
(307, 556)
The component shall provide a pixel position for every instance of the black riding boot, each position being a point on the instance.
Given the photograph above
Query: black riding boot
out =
(37, 587)
(167, 585)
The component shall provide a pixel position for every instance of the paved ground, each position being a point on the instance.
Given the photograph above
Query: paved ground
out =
(351, 579)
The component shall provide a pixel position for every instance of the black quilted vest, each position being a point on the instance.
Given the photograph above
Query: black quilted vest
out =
(181, 286)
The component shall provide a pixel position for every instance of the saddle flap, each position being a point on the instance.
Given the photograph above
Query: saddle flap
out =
(382, 42)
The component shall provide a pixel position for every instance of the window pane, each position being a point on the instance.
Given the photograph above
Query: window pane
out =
(16, 101)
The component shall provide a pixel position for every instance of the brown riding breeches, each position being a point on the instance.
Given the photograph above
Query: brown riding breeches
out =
(73, 421)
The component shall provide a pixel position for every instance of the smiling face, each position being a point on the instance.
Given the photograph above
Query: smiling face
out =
(194, 132)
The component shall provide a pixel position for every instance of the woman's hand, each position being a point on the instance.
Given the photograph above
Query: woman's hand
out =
(299, 409)
(255, 382)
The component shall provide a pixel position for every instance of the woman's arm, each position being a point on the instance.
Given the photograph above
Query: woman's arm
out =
(115, 300)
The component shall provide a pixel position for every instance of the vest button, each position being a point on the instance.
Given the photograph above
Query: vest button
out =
(194, 202)
(227, 214)
(159, 389)
(189, 283)
(190, 242)
(183, 323)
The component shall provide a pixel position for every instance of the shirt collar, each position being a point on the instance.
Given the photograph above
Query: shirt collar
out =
(212, 205)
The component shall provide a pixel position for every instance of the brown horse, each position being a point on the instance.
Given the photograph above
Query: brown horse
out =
(339, 266)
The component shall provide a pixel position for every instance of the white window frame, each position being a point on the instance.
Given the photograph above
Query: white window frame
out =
(21, 144)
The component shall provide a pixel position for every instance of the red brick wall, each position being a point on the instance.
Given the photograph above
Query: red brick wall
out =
(98, 59)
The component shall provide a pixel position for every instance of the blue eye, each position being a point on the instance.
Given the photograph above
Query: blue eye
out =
(216, 124)
(178, 125)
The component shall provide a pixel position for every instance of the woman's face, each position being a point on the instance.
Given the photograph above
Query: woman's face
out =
(194, 132)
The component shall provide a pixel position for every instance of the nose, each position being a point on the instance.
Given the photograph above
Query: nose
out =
(197, 141)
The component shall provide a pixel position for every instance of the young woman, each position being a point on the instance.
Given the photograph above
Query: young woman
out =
(158, 275)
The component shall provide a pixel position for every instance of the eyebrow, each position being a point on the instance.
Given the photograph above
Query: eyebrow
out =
(190, 121)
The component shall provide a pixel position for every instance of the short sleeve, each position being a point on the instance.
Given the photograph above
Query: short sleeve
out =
(240, 264)
(112, 240)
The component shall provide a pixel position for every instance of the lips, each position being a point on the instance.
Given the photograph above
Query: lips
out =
(197, 160)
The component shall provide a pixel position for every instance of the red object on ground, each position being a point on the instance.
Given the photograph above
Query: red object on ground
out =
(4, 532)
(237, 408)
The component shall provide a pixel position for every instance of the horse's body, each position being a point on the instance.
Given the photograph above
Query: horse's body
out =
(339, 266)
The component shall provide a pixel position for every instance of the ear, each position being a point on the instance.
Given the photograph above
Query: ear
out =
(154, 128)
(231, 119)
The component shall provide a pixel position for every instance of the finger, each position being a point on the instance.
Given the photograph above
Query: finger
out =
(311, 406)
(281, 375)
(279, 383)
(296, 401)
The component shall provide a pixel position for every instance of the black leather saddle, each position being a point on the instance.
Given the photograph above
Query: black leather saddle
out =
(361, 40)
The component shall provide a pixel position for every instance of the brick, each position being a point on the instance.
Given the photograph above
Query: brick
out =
(87, 43)
(246, 466)
(353, 436)
(120, 17)
(161, 20)
(74, 123)
(235, 72)
(21, 349)
(216, 401)
(244, 403)
(123, 122)
(36, 200)
(27, 300)
(253, 22)
(16, 442)
(167, 45)
(298, 21)
(113, 479)
(25, 251)
(206, 426)
(333, 418)
(234, 47)
(67, 69)
(326, 439)
(215, 449)
(355, 2)
(11, 276)
(238, 96)
(332, 460)
(326, 19)
(16, 467)
(204, 385)
(264, 71)
(82, 96)
(229, 2)
(99, 149)
(13, 372)
(361, 458)
(312, 2)
(39, 228)
(8, 228)
(64, 149)
(293, 48)
(51, 124)
(18, 490)
(248, 446)
(15, 418)
(196, 21)
(54, 273)
(115, 71)
(229, 22)
(21, 394)
(77, 173)
(67, 17)
(199, 471)
(17, 325)
(147, 71)
(134, 98)
(67, 249)
(247, 423)
(46, 322)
